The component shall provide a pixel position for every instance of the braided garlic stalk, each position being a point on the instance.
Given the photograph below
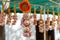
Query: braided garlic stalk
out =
(9, 16)
(48, 21)
(58, 22)
(27, 26)
(53, 20)
(14, 16)
(1, 20)
(3, 13)
(35, 21)
(25, 22)
(41, 22)
(2, 16)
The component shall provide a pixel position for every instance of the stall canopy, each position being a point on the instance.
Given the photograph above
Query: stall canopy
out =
(47, 4)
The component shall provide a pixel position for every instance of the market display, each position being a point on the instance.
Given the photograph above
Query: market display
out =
(28, 19)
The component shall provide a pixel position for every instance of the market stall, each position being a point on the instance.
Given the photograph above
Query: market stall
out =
(40, 23)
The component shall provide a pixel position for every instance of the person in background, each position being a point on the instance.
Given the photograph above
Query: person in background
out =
(39, 35)
(50, 34)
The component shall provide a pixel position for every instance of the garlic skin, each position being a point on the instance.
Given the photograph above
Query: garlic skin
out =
(41, 26)
(2, 18)
(14, 17)
(9, 19)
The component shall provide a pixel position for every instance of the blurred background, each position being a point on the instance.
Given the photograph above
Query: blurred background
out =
(47, 4)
